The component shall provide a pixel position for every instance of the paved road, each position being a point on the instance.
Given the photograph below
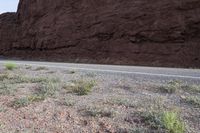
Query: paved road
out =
(147, 72)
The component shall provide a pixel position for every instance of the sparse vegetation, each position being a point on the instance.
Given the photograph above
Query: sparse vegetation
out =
(167, 121)
(172, 122)
(113, 107)
(121, 102)
(171, 87)
(28, 67)
(83, 87)
(6, 88)
(25, 101)
(41, 68)
(10, 65)
(21, 102)
(192, 100)
(48, 88)
(72, 72)
(191, 88)
(99, 112)
(69, 102)
(36, 98)
(9, 82)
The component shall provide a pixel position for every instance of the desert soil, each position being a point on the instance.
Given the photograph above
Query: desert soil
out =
(43, 100)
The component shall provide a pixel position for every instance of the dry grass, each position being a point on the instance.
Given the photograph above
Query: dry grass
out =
(82, 87)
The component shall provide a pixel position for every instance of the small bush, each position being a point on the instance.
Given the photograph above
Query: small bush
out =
(21, 102)
(83, 87)
(171, 87)
(172, 122)
(192, 100)
(48, 88)
(36, 98)
(10, 66)
(152, 118)
(163, 121)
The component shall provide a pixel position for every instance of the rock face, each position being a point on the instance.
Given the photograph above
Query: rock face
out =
(139, 32)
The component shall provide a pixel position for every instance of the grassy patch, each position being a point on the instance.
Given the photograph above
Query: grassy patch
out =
(28, 67)
(21, 102)
(41, 68)
(99, 112)
(172, 122)
(9, 82)
(83, 87)
(171, 87)
(192, 100)
(6, 88)
(162, 121)
(69, 102)
(10, 66)
(36, 98)
(25, 101)
(49, 88)
(191, 88)
(121, 102)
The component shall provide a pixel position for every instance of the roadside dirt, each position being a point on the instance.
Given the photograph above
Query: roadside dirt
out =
(44, 100)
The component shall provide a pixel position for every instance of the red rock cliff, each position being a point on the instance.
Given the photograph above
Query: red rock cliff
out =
(141, 32)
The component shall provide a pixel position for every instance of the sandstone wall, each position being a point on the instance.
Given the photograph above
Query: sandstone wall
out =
(139, 32)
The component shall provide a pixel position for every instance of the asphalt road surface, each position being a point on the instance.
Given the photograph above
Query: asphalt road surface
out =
(150, 73)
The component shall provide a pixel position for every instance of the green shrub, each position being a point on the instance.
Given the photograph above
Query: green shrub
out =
(163, 121)
(83, 87)
(36, 98)
(10, 65)
(172, 122)
(21, 102)
(48, 88)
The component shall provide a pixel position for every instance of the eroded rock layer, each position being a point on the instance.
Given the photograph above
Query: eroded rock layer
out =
(139, 32)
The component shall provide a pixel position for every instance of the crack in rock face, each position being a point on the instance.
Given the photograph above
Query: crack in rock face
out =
(141, 32)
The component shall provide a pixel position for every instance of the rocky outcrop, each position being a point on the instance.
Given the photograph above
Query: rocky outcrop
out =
(139, 32)
(8, 31)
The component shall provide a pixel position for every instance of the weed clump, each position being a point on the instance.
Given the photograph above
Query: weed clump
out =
(83, 87)
(168, 121)
(192, 100)
(171, 87)
(10, 66)
(171, 121)
(99, 112)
